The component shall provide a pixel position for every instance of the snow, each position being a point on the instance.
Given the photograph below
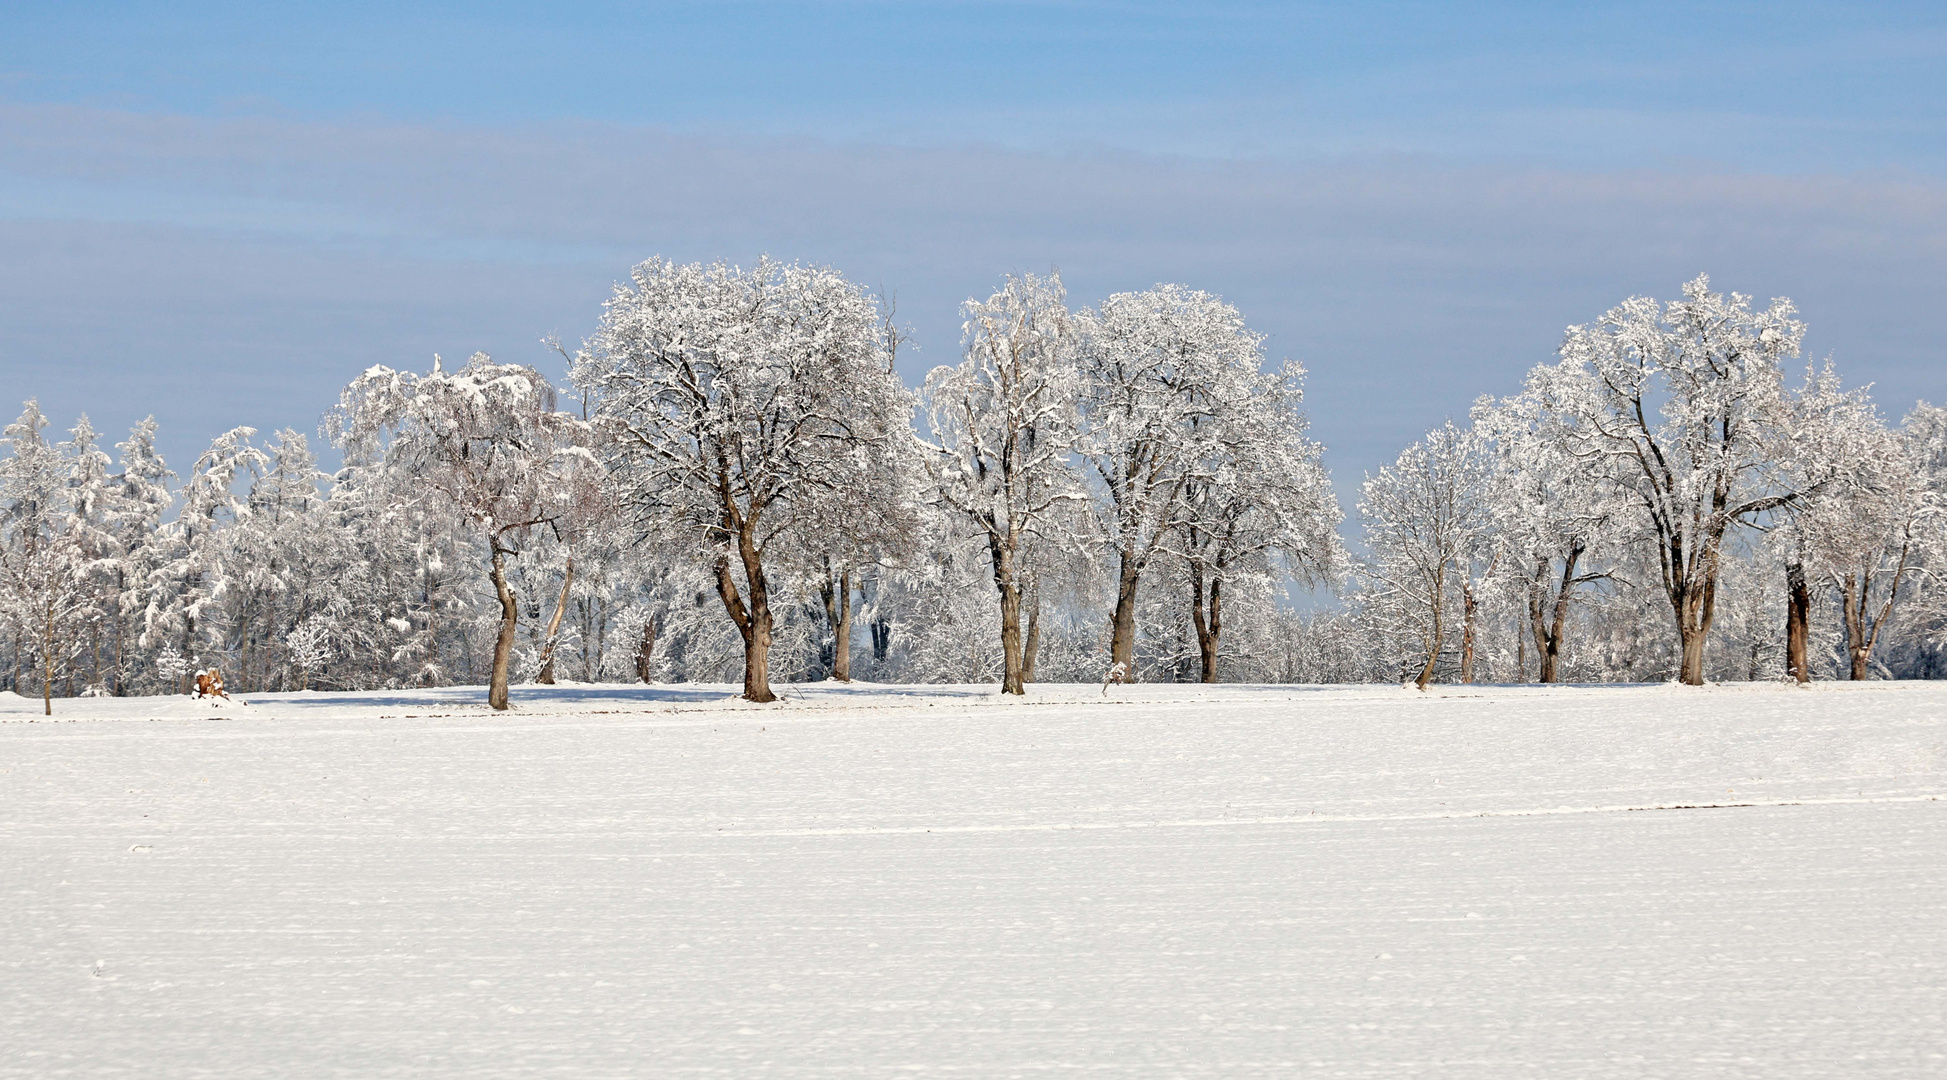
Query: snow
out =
(888, 880)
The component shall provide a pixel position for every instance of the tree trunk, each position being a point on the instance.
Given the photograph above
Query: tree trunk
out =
(1010, 591)
(753, 619)
(1857, 648)
(546, 677)
(1691, 670)
(1798, 623)
(504, 644)
(1122, 625)
(1011, 682)
(1437, 635)
(47, 662)
(1032, 648)
(1468, 606)
(1433, 644)
(645, 652)
(1693, 598)
(1206, 615)
(757, 659)
(838, 614)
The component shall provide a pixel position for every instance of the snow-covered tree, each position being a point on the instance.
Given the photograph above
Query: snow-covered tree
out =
(1002, 424)
(1258, 506)
(140, 499)
(1177, 418)
(1424, 515)
(1557, 524)
(486, 442)
(92, 499)
(192, 575)
(747, 411)
(43, 563)
(1683, 404)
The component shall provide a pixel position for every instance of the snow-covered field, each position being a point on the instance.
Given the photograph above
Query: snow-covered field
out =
(880, 881)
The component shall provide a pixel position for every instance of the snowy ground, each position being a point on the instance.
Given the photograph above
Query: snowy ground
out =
(1251, 881)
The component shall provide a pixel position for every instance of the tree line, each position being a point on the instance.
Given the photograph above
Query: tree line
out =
(732, 479)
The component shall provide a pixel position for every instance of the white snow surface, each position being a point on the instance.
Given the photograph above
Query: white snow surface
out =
(887, 881)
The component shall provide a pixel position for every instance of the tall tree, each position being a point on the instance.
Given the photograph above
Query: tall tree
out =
(1002, 424)
(1557, 523)
(192, 575)
(43, 555)
(1423, 514)
(1163, 373)
(1258, 503)
(1683, 404)
(487, 442)
(747, 409)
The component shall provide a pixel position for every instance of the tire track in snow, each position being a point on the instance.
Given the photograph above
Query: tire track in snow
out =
(1322, 819)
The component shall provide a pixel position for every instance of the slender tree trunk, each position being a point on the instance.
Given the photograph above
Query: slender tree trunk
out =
(504, 644)
(1468, 604)
(189, 632)
(1438, 637)
(1858, 649)
(1032, 649)
(645, 652)
(243, 659)
(1798, 623)
(838, 614)
(1207, 617)
(1122, 625)
(1011, 680)
(121, 590)
(546, 677)
(47, 660)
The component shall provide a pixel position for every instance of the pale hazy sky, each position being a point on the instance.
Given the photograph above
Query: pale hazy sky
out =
(219, 214)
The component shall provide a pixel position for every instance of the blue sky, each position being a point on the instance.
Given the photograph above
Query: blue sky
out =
(222, 213)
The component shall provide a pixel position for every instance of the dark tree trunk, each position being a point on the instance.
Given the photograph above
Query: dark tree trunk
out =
(1798, 623)
(1122, 624)
(1207, 616)
(645, 652)
(1010, 590)
(753, 619)
(1468, 606)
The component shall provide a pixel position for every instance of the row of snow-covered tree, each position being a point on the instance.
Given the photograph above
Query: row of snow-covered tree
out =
(1664, 501)
(739, 481)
